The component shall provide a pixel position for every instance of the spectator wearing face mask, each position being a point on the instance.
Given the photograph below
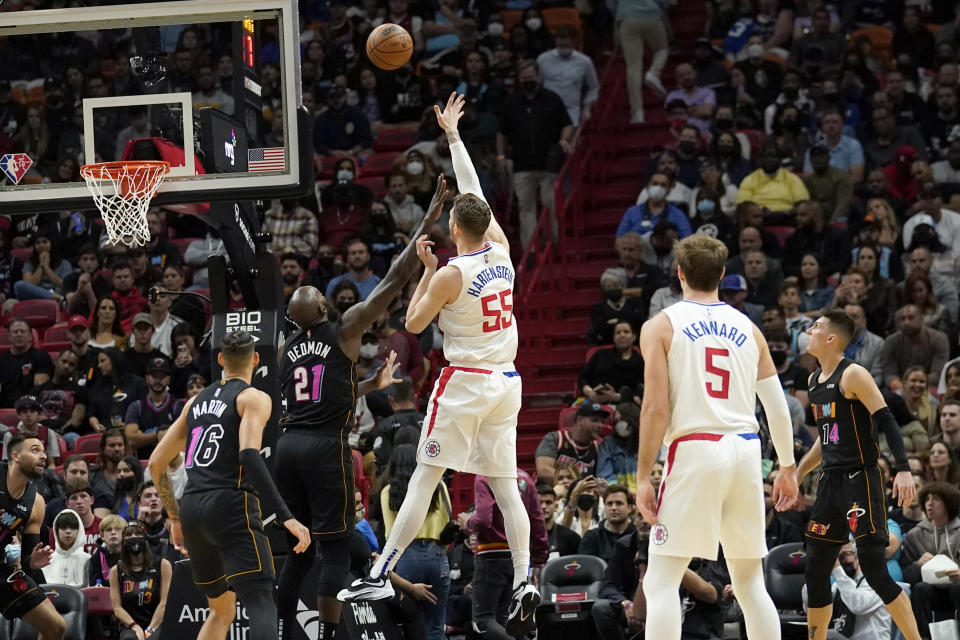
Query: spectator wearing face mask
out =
(945, 222)
(570, 74)
(420, 173)
(617, 458)
(771, 186)
(344, 205)
(683, 173)
(615, 308)
(793, 94)
(643, 217)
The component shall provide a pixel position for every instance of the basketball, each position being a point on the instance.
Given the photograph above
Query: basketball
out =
(389, 46)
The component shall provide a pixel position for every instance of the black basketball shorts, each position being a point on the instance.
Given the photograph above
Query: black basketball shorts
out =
(849, 503)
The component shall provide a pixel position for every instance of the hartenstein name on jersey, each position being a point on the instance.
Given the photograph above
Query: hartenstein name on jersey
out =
(489, 275)
(215, 407)
(308, 349)
(699, 329)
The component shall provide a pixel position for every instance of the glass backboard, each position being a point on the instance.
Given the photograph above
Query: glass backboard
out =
(98, 84)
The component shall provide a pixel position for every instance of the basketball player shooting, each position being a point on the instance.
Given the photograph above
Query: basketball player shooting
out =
(849, 410)
(221, 527)
(706, 363)
(314, 463)
(472, 413)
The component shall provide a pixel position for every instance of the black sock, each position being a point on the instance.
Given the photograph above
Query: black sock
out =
(327, 630)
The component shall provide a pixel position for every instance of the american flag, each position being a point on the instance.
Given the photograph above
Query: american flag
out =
(268, 159)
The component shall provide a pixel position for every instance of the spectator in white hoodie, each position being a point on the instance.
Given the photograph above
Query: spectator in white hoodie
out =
(68, 565)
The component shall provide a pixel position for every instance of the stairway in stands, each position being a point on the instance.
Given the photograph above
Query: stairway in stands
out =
(605, 176)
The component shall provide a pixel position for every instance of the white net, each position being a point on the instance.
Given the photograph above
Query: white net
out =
(122, 192)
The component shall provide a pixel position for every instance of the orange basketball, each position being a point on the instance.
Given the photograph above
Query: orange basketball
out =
(389, 46)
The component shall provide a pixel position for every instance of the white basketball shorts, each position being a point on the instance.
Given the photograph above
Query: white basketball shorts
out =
(471, 423)
(711, 493)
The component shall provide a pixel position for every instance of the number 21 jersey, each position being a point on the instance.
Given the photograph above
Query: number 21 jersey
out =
(478, 327)
(212, 458)
(712, 364)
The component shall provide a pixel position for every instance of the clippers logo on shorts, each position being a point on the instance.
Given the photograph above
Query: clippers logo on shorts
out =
(852, 515)
(658, 534)
(431, 449)
(817, 528)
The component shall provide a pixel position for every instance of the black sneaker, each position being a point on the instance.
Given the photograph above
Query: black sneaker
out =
(523, 610)
(366, 589)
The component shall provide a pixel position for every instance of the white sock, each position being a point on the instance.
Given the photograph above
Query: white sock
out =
(410, 518)
(661, 586)
(759, 612)
(516, 524)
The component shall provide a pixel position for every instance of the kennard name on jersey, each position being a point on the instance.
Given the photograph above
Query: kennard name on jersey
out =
(701, 328)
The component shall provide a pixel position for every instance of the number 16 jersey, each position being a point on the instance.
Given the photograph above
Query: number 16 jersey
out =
(478, 327)
(212, 458)
(712, 364)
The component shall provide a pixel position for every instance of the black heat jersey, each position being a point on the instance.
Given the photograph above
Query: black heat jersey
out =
(14, 512)
(140, 592)
(213, 439)
(319, 381)
(845, 428)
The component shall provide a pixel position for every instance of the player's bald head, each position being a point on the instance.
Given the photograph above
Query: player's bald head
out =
(307, 306)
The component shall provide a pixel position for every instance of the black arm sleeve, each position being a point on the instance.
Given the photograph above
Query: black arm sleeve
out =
(29, 542)
(886, 423)
(253, 466)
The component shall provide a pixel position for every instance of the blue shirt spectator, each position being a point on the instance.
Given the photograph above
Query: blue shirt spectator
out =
(843, 155)
(641, 219)
(341, 127)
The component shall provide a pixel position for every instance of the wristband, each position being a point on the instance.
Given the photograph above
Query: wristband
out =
(149, 630)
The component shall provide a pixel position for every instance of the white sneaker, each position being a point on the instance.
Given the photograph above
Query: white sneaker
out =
(653, 81)
(637, 118)
(366, 589)
(523, 610)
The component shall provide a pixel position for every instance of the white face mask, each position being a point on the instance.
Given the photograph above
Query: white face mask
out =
(657, 193)
(344, 175)
(533, 23)
(369, 351)
(12, 553)
(623, 429)
(495, 29)
(414, 168)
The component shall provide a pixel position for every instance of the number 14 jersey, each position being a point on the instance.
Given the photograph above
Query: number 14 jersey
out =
(478, 327)
(844, 425)
(712, 364)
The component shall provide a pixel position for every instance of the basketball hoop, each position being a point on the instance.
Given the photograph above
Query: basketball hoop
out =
(122, 192)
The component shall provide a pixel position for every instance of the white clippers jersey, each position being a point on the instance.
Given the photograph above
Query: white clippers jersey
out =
(479, 326)
(712, 364)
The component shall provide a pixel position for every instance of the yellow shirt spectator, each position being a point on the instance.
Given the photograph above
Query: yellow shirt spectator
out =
(779, 192)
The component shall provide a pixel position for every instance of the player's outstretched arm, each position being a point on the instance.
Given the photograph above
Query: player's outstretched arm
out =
(655, 337)
(167, 449)
(254, 407)
(770, 392)
(362, 315)
(860, 383)
(467, 179)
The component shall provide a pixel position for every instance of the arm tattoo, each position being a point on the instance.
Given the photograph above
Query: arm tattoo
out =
(165, 489)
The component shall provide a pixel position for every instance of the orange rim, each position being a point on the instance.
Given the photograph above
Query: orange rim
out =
(118, 168)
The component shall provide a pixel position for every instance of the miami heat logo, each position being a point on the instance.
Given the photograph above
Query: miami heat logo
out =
(852, 515)
(431, 449)
(571, 568)
(18, 581)
(658, 534)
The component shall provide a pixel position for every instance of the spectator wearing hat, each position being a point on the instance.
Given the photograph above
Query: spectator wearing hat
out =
(579, 444)
(28, 410)
(887, 138)
(771, 186)
(615, 308)
(931, 212)
(846, 153)
(62, 401)
(24, 366)
(733, 289)
(642, 218)
(142, 353)
(831, 187)
(814, 235)
(342, 130)
(711, 72)
(617, 458)
(149, 417)
(78, 331)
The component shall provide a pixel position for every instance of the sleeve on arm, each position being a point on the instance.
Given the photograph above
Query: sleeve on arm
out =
(467, 180)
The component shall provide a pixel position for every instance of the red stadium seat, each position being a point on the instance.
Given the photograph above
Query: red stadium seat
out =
(378, 164)
(88, 444)
(58, 333)
(395, 139)
(9, 417)
(375, 184)
(55, 347)
(39, 313)
(182, 244)
(22, 254)
(782, 233)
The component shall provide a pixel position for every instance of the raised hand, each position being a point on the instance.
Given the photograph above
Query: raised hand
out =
(449, 118)
(436, 203)
(384, 376)
(40, 556)
(425, 253)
